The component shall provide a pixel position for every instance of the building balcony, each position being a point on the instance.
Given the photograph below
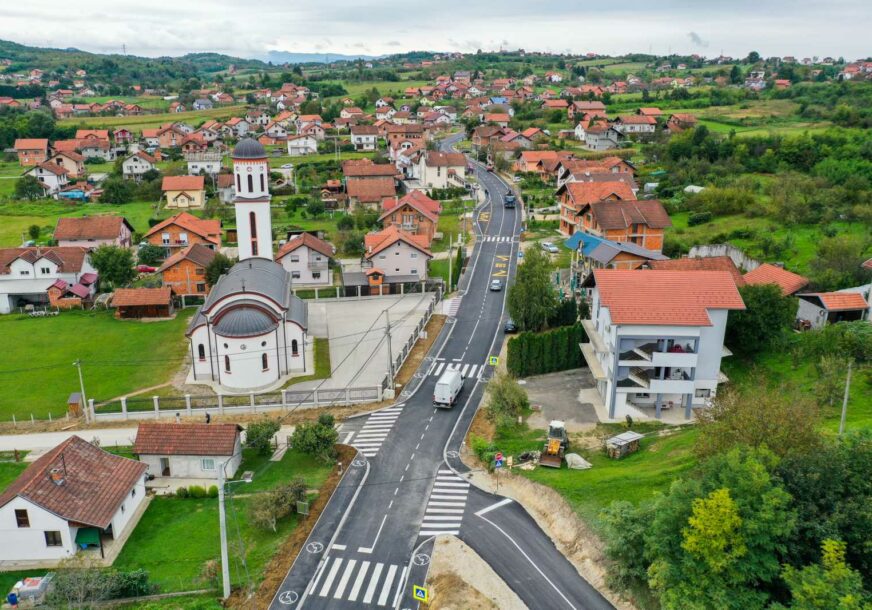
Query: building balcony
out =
(596, 340)
(593, 363)
(318, 265)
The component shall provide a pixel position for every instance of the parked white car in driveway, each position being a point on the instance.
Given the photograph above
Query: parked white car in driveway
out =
(549, 247)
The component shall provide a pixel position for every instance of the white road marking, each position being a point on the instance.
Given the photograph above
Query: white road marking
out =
(334, 569)
(373, 582)
(400, 586)
(386, 588)
(437, 510)
(358, 582)
(438, 532)
(343, 582)
(339, 547)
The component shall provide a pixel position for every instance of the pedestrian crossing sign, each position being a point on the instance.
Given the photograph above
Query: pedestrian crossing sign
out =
(420, 593)
(494, 360)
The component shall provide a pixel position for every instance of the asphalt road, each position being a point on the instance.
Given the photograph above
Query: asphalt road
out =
(372, 543)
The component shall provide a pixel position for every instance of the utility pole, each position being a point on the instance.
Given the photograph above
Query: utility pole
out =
(78, 365)
(222, 524)
(845, 400)
(390, 352)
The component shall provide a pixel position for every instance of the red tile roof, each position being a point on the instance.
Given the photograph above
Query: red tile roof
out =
(443, 159)
(377, 241)
(581, 193)
(186, 439)
(308, 240)
(31, 144)
(841, 301)
(712, 263)
(68, 258)
(183, 183)
(772, 274)
(497, 117)
(95, 482)
(355, 170)
(371, 189)
(90, 227)
(209, 230)
(197, 253)
(623, 214)
(132, 297)
(673, 298)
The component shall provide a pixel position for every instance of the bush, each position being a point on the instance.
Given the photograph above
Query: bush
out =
(182, 492)
(259, 435)
(699, 218)
(213, 491)
(483, 449)
(506, 401)
(197, 492)
(546, 352)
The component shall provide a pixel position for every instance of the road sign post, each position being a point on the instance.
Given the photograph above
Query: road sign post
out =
(420, 594)
(493, 360)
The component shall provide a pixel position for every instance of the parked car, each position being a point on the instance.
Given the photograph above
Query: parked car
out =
(496, 285)
(288, 166)
(516, 179)
(510, 326)
(549, 247)
(146, 269)
(490, 167)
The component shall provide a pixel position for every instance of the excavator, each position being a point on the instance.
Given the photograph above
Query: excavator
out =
(555, 445)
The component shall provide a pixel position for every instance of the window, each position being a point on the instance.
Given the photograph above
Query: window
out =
(295, 348)
(227, 363)
(165, 238)
(183, 237)
(252, 224)
(703, 393)
(264, 362)
(21, 517)
(316, 275)
(238, 182)
(201, 351)
(53, 539)
(45, 270)
(381, 256)
(122, 508)
(199, 271)
(207, 464)
(201, 287)
(250, 183)
(295, 275)
(414, 255)
(133, 493)
(262, 187)
(24, 272)
(253, 248)
(414, 272)
(295, 258)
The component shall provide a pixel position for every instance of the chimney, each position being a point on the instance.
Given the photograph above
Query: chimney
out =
(57, 476)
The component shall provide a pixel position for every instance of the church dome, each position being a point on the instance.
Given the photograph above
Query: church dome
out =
(249, 148)
(245, 322)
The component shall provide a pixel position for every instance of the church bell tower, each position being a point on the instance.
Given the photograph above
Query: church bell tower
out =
(252, 200)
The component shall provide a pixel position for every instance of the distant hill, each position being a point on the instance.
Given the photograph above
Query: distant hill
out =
(284, 57)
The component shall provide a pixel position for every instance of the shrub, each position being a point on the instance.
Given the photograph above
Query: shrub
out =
(197, 491)
(699, 218)
(182, 492)
(259, 435)
(213, 491)
(484, 449)
(546, 352)
(317, 439)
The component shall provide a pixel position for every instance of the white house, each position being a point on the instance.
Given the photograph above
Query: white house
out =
(26, 274)
(189, 451)
(204, 162)
(302, 145)
(137, 164)
(364, 137)
(601, 136)
(238, 126)
(398, 253)
(51, 176)
(635, 124)
(442, 170)
(307, 259)
(276, 130)
(93, 231)
(75, 495)
(818, 309)
(251, 332)
(656, 337)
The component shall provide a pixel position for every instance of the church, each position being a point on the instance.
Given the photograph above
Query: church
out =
(250, 334)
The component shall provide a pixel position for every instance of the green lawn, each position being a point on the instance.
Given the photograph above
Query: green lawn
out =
(323, 368)
(119, 356)
(154, 545)
(9, 469)
(145, 121)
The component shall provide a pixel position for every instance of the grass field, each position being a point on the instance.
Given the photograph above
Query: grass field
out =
(154, 544)
(10, 469)
(137, 123)
(119, 356)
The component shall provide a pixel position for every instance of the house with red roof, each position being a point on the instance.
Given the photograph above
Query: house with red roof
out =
(789, 282)
(415, 213)
(817, 309)
(656, 338)
(93, 231)
(185, 271)
(184, 229)
(31, 151)
(397, 253)
(186, 192)
(27, 275)
(442, 169)
(307, 258)
(189, 450)
(75, 495)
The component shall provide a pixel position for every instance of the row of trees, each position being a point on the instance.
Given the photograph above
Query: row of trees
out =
(552, 350)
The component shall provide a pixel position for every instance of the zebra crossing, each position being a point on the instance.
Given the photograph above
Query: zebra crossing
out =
(376, 429)
(445, 507)
(466, 369)
(498, 238)
(451, 306)
(366, 582)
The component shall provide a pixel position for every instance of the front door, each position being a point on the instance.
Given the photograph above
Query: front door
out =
(164, 467)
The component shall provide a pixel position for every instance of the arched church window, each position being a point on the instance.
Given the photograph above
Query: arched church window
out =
(262, 186)
(227, 363)
(295, 348)
(264, 361)
(250, 183)
(238, 182)
(252, 223)
(201, 351)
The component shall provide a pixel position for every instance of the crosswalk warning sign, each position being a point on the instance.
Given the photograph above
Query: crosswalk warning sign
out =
(420, 593)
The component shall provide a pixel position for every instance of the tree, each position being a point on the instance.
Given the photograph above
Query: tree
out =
(150, 255)
(506, 400)
(830, 585)
(713, 533)
(317, 439)
(114, 266)
(779, 418)
(33, 231)
(838, 262)
(117, 190)
(753, 57)
(266, 509)
(345, 223)
(315, 207)
(531, 298)
(218, 267)
(28, 187)
(259, 435)
(767, 315)
(736, 75)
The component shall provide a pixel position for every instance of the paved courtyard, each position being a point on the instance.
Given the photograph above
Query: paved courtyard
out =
(359, 357)
(560, 397)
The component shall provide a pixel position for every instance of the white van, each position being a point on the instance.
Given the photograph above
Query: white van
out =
(447, 389)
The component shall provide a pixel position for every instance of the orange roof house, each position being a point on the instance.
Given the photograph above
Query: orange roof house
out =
(31, 151)
(790, 283)
(184, 229)
(185, 271)
(184, 191)
(712, 263)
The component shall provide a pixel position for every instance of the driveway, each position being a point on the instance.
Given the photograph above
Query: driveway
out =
(558, 394)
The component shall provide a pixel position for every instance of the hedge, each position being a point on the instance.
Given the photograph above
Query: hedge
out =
(546, 352)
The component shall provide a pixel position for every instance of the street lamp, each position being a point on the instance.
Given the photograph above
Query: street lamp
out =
(247, 477)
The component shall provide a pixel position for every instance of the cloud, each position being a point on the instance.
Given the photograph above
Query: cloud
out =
(394, 43)
(697, 40)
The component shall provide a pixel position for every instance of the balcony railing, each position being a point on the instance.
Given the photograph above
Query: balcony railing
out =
(318, 265)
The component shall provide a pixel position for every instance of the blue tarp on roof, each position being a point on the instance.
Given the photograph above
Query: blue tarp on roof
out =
(583, 240)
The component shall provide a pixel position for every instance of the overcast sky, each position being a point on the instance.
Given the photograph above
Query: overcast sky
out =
(250, 29)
